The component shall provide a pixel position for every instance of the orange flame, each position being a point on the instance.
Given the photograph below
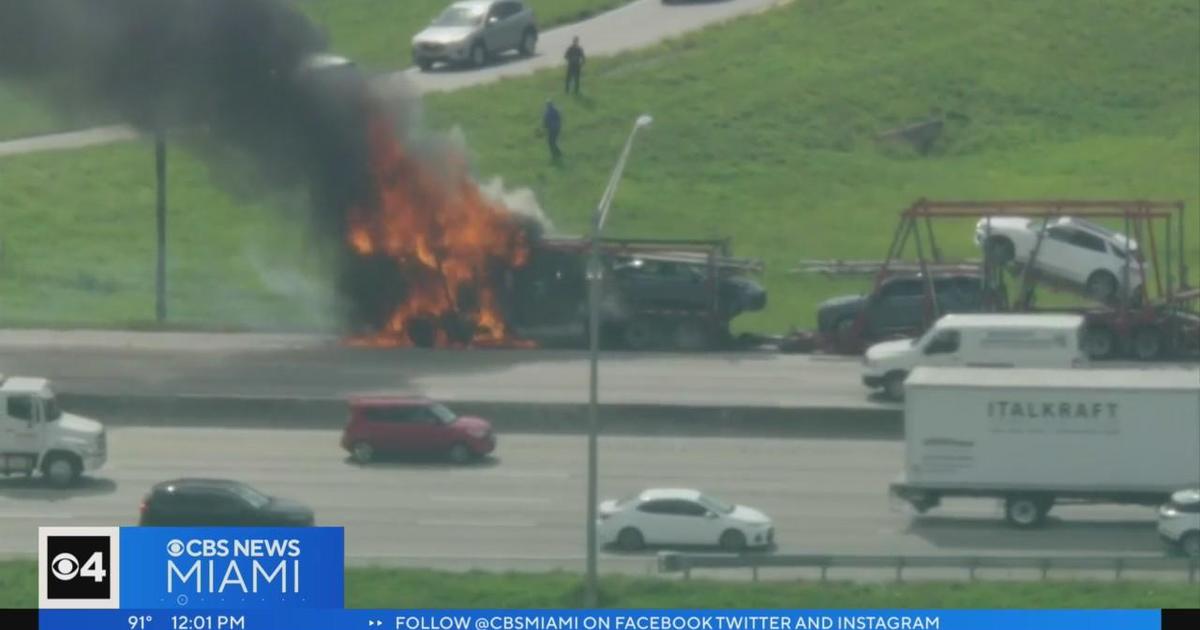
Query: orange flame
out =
(444, 236)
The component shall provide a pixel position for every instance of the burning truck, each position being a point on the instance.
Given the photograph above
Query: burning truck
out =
(423, 256)
(434, 262)
(655, 294)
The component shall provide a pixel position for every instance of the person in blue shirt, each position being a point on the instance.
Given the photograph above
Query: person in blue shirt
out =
(552, 123)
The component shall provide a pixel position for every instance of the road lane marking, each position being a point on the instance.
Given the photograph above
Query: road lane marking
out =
(458, 499)
(512, 524)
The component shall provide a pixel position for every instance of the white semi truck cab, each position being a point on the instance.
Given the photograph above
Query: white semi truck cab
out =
(37, 436)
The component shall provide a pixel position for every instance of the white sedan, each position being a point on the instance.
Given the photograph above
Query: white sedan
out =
(1080, 252)
(670, 516)
(1179, 522)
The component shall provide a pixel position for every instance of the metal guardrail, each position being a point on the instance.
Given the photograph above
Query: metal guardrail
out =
(673, 562)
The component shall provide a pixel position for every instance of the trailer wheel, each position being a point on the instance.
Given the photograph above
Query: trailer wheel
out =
(1026, 511)
(1147, 343)
(1000, 251)
(1099, 342)
(1101, 286)
(640, 334)
(691, 336)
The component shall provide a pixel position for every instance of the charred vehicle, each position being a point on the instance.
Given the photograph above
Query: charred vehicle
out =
(655, 294)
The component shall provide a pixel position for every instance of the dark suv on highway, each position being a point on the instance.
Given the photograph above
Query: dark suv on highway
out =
(898, 308)
(219, 503)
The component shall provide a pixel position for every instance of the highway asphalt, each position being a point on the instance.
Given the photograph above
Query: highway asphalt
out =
(524, 509)
(636, 25)
(115, 363)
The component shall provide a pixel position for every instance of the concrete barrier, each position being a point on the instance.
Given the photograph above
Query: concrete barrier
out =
(331, 413)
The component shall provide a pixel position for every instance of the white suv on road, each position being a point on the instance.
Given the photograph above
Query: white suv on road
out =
(471, 31)
(1179, 521)
(1080, 252)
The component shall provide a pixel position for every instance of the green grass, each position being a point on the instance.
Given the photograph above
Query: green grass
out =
(376, 33)
(388, 588)
(764, 132)
(765, 128)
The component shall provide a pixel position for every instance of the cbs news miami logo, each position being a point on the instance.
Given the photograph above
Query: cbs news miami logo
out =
(79, 567)
(190, 567)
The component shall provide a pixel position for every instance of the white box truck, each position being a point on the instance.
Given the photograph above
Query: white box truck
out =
(35, 435)
(978, 340)
(1036, 436)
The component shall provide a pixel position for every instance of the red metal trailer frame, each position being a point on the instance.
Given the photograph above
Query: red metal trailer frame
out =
(1147, 323)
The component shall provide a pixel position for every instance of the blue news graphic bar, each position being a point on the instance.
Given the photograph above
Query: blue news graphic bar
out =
(331, 619)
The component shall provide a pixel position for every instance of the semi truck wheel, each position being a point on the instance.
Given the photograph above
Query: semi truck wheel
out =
(61, 469)
(1026, 511)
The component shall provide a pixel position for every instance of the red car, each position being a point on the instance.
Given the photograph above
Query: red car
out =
(401, 425)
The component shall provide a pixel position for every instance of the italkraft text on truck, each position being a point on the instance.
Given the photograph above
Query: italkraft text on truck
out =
(35, 435)
(1034, 437)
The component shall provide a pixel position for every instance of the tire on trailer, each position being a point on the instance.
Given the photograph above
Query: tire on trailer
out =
(1101, 286)
(640, 334)
(1147, 343)
(1099, 342)
(1000, 251)
(1027, 511)
(692, 335)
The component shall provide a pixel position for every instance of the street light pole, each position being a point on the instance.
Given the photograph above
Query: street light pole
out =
(160, 213)
(594, 276)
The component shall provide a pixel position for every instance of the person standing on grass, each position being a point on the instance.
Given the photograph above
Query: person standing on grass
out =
(552, 123)
(575, 59)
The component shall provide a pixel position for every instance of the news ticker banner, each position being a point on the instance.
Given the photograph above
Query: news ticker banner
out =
(132, 578)
(611, 620)
(183, 569)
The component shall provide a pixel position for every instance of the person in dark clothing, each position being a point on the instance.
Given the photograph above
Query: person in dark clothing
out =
(575, 59)
(552, 122)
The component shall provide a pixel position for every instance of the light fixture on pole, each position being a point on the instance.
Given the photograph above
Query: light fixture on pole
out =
(595, 272)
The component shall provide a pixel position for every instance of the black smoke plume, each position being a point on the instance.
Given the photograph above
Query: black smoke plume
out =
(231, 76)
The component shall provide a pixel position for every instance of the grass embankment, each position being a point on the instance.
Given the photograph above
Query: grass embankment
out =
(374, 32)
(380, 588)
(765, 132)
